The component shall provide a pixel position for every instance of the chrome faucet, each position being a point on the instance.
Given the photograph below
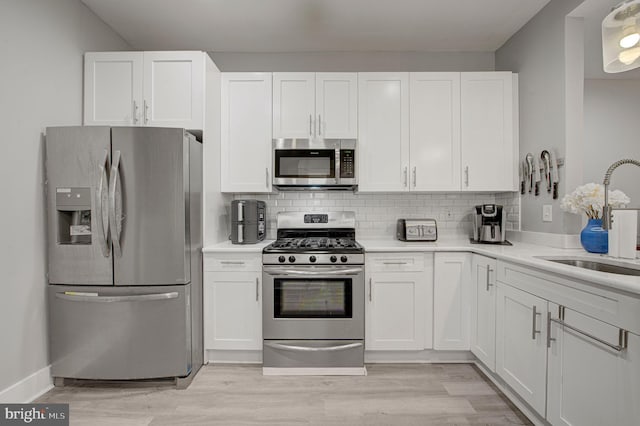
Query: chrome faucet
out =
(606, 209)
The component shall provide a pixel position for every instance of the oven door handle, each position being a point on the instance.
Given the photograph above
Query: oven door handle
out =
(276, 271)
(311, 349)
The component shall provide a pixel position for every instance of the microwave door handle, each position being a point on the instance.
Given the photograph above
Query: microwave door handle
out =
(102, 208)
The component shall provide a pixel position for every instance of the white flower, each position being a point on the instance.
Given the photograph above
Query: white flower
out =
(589, 199)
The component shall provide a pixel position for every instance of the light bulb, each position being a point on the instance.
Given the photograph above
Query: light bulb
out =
(628, 56)
(629, 40)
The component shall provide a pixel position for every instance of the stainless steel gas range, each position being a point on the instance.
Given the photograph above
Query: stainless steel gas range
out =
(313, 296)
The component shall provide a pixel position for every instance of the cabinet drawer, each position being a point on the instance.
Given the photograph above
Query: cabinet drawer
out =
(388, 262)
(216, 262)
(604, 304)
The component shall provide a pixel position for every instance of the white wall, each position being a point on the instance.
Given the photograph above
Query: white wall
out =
(538, 54)
(41, 46)
(354, 61)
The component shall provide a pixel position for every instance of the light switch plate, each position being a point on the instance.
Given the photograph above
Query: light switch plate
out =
(547, 213)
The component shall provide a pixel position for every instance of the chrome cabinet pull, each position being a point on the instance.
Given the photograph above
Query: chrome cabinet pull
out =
(466, 176)
(319, 124)
(405, 177)
(394, 263)
(135, 112)
(102, 207)
(310, 124)
(489, 270)
(533, 326)
(370, 296)
(232, 262)
(257, 289)
(549, 338)
(266, 172)
(414, 177)
(146, 112)
(623, 335)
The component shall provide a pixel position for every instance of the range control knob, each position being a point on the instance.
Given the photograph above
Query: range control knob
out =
(343, 259)
(292, 259)
(333, 259)
(281, 259)
(312, 259)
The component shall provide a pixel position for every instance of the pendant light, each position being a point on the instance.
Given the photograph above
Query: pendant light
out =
(621, 37)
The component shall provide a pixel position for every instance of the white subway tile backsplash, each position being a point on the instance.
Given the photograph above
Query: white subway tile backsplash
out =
(376, 214)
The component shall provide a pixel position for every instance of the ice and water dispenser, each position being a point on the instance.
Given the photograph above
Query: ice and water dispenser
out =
(73, 208)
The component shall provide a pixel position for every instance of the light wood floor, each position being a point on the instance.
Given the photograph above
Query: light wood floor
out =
(391, 394)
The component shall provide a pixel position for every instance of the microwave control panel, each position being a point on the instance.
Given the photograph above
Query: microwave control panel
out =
(347, 163)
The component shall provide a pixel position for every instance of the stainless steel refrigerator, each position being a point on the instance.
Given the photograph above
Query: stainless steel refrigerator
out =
(124, 253)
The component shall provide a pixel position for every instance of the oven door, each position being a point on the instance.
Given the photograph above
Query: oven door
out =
(313, 302)
(305, 162)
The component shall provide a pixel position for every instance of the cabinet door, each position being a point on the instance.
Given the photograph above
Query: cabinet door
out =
(489, 151)
(435, 131)
(589, 383)
(521, 351)
(383, 129)
(113, 88)
(395, 314)
(233, 310)
(483, 310)
(174, 89)
(293, 105)
(451, 301)
(337, 105)
(246, 132)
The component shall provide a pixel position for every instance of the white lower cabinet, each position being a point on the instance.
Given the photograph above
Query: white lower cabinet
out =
(451, 291)
(233, 302)
(589, 382)
(521, 351)
(483, 309)
(399, 288)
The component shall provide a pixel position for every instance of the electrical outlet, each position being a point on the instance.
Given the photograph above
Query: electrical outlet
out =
(449, 215)
(547, 213)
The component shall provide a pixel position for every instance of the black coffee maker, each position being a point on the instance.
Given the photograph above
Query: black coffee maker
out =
(489, 224)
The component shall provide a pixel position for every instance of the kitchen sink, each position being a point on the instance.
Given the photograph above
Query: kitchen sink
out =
(610, 266)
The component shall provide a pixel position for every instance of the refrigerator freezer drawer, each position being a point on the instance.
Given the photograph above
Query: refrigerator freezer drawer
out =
(108, 333)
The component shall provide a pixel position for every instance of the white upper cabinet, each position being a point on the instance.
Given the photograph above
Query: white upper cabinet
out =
(246, 132)
(337, 105)
(489, 131)
(112, 88)
(174, 89)
(435, 131)
(314, 105)
(144, 89)
(383, 128)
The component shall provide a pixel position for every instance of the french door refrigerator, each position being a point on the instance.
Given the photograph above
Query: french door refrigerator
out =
(124, 253)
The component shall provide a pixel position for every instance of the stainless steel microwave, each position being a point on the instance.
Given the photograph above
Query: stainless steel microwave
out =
(314, 164)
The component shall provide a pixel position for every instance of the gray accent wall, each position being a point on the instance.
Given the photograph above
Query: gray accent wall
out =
(547, 55)
(42, 46)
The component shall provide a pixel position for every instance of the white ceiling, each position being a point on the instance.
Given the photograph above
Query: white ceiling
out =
(316, 25)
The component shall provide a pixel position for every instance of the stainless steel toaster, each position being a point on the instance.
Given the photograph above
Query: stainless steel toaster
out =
(417, 230)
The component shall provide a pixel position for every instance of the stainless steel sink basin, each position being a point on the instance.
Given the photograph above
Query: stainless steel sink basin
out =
(610, 266)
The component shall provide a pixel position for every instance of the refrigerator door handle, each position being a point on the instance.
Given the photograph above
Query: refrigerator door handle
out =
(101, 210)
(113, 220)
(111, 299)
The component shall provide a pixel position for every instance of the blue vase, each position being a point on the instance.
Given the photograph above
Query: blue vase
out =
(593, 238)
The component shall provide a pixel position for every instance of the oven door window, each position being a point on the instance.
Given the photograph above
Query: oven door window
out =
(312, 298)
(304, 163)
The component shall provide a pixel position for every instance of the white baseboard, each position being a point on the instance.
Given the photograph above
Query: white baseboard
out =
(29, 388)
(218, 356)
(563, 241)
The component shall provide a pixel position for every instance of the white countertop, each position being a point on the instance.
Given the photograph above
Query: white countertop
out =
(227, 246)
(521, 253)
